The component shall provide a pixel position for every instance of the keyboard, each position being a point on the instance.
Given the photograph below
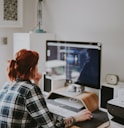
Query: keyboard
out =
(58, 110)
(75, 103)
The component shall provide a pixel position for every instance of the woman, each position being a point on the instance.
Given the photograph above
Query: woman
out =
(22, 104)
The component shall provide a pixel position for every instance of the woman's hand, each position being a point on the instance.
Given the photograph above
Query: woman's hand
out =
(83, 115)
(37, 78)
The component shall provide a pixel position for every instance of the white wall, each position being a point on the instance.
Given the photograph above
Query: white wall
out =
(6, 51)
(91, 20)
(81, 20)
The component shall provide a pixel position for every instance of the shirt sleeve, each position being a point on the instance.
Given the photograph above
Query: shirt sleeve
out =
(38, 110)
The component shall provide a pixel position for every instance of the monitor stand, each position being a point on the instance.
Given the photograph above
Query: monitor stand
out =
(89, 99)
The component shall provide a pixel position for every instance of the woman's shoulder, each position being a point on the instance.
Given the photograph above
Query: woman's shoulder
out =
(26, 87)
(6, 85)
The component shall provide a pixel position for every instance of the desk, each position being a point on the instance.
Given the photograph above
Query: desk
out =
(79, 127)
(101, 127)
(100, 118)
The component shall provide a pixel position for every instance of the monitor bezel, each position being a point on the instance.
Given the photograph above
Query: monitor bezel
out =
(95, 45)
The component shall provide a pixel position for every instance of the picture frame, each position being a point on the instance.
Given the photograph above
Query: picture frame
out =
(11, 13)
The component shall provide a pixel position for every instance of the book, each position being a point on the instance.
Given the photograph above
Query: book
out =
(100, 120)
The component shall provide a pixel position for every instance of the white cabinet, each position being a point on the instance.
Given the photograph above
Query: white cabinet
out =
(33, 41)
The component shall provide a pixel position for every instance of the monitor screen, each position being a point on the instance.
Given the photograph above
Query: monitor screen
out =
(77, 62)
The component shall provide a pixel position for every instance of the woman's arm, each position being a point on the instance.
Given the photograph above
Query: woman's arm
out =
(38, 109)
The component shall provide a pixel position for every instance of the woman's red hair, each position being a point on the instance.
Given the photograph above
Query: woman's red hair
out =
(23, 65)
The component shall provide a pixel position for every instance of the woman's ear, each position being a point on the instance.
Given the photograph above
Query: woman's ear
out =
(30, 69)
(32, 73)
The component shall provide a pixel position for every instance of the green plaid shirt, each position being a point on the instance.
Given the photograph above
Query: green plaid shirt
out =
(22, 105)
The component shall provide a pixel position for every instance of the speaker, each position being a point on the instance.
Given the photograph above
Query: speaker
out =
(108, 92)
(51, 83)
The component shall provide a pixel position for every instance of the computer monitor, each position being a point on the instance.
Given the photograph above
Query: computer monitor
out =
(78, 62)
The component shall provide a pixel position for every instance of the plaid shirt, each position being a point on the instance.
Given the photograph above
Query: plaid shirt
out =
(22, 105)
